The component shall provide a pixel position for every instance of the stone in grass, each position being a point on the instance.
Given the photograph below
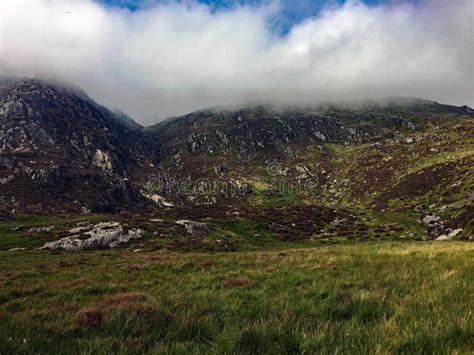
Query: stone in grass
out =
(41, 229)
(102, 235)
(430, 219)
(455, 233)
(194, 228)
(450, 236)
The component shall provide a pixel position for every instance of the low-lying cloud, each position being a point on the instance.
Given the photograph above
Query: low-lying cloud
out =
(172, 58)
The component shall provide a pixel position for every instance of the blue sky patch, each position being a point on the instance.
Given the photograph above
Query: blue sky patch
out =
(293, 11)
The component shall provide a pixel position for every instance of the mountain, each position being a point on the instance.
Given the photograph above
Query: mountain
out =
(61, 151)
(403, 157)
(400, 155)
(126, 119)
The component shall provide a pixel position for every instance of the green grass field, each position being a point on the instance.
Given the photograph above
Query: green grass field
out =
(354, 297)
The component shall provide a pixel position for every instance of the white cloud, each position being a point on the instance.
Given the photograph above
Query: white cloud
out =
(174, 58)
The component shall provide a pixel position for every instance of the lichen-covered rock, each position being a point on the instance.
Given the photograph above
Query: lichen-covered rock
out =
(102, 160)
(102, 235)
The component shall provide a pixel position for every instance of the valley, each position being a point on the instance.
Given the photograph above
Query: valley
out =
(329, 228)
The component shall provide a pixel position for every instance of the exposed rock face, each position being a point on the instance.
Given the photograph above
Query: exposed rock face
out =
(102, 160)
(61, 151)
(99, 236)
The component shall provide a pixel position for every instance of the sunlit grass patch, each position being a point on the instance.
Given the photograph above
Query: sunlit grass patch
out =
(367, 297)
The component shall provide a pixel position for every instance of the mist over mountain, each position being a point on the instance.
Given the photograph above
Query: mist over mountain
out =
(59, 145)
(171, 58)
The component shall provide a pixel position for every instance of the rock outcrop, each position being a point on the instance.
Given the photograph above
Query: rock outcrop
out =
(99, 236)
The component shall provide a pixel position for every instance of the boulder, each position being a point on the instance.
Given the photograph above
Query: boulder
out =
(102, 235)
(85, 210)
(437, 230)
(430, 219)
(419, 208)
(194, 228)
(455, 233)
(443, 237)
(159, 200)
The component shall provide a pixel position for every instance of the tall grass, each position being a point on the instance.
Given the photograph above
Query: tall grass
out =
(356, 298)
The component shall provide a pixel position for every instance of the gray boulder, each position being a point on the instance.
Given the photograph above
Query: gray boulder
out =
(85, 210)
(455, 233)
(194, 228)
(430, 219)
(102, 235)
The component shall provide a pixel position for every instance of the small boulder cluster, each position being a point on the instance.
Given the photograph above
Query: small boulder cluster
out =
(436, 227)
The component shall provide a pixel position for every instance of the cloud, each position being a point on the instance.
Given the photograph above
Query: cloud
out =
(170, 58)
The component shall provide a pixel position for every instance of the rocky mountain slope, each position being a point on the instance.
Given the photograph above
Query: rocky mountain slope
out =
(399, 161)
(62, 151)
(403, 155)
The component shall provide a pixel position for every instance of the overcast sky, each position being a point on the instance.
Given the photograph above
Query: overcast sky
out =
(155, 59)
